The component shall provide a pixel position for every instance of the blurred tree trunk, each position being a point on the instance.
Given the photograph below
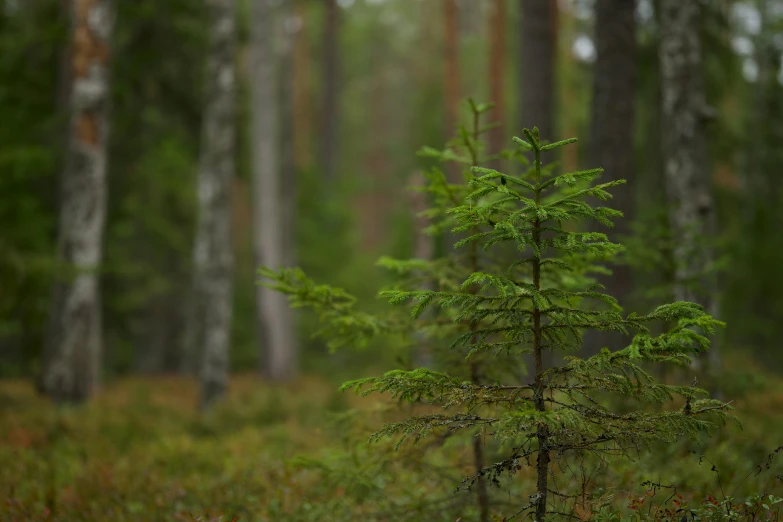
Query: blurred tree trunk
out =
(331, 107)
(684, 112)
(73, 352)
(497, 30)
(451, 90)
(614, 96)
(538, 43)
(373, 201)
(209, 326)
(538, 40)
(451, 78)
(424, 248)
(288, 39)
(301, 86)
(764, 155)
(279, 356)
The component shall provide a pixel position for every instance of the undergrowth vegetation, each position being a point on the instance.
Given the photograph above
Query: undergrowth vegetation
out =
(300, 453)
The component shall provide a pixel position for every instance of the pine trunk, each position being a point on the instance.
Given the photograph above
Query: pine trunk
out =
(72, 357)
(691, 207)
(476, 377)
(279, 356)
(614, 96)
(209, 327)
(542, 433)
(497, 26)
(329, 135)
(372, 204)
(537, 70)
(538, 42)
(452, 75)
(424, 248)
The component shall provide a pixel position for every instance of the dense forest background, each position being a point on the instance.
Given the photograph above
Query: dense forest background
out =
(395, 85)
(311, 136)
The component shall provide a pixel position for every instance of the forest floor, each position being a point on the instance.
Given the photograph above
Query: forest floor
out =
(299, 452)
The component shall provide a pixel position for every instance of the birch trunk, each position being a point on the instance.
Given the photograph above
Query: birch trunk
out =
(290, 34)
(279, 354)
(686, 164)
(210, 323)
(72, 356)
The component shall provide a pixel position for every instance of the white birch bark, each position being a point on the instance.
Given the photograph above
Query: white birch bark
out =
(210, 322)
(279, 353)
(686, 162)
(73, 353)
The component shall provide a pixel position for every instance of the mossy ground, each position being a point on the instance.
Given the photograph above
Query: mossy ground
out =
(299, 452)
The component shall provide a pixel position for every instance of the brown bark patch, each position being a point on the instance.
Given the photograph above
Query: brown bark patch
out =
(87, 129)
(87, 48)
(83, 8)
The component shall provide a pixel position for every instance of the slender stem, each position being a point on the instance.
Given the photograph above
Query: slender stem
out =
(475, 377)
(542, 434)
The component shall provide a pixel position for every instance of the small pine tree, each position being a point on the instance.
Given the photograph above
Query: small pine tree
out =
(343, 325)
(532, 297)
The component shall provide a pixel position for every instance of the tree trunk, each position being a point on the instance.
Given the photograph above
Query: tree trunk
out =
(289, 37)
(209, 327)
(538, 42)
(331, 110)
(301, 86)
(537, 71)
(373, 201)
(496, 68)
(279, 356)
(614, 96)
(72, 358)
(287, 89)
(424, 248)
(452, 75)
(691, 207)
(451, 90)
(542, 432)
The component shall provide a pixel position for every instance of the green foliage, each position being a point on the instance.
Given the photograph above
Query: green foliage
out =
(664, 501)
(755, 239)
(30, 40)
(342, 323)
(157, 76)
